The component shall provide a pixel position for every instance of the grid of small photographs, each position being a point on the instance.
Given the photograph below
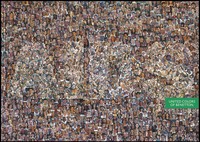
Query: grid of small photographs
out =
(86, 70)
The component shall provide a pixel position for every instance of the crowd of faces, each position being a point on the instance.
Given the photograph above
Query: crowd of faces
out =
(98, 70)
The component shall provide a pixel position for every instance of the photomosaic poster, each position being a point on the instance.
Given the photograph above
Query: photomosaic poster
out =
(100, 71)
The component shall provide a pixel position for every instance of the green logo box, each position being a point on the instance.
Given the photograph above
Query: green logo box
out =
(181, 102)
